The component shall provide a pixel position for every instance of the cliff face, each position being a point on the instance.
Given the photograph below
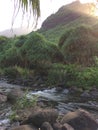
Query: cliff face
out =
(67, 14)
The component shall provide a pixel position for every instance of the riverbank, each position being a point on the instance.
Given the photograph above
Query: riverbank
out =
(63, 100)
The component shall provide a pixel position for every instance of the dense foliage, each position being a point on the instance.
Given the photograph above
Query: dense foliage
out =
(73, 62)
(28, 51)
(80, 45)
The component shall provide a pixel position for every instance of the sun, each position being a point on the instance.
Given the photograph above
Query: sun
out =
(94, 7)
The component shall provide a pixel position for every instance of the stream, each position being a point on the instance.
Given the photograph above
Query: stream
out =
(62, 100)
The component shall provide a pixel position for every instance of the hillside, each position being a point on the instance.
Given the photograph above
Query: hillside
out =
(79, 45)
(68, 16)
(70, 59)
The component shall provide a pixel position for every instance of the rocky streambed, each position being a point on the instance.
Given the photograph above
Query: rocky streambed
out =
(63, 100)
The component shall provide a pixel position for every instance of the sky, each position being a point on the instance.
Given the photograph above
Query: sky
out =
(47, 8)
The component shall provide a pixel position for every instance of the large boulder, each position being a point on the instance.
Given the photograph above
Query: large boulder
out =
(43, 115)
(46, 126)
(67, 127)
(23, 127)
(2, 128)
(80, 120)
(57, 126)
(14, 94)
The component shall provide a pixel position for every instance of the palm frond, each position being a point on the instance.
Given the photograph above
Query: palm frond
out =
(33, 4)
(31, 7)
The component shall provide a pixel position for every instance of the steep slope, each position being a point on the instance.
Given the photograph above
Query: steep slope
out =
(68, 16)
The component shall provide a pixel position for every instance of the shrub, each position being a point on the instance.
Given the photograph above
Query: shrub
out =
(19, 41)
(25, 101)
(37, 51)
(79, 48)
(84, 78)
(24, 72)
(11, 72)
(73, 75)
(22, 104)
(56, 74)
(88, 78)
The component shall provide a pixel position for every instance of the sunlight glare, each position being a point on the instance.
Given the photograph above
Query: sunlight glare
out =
(94, 7)
(96, 12)
(88, 1)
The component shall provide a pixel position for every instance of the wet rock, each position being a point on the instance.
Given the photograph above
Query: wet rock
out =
(80, 120)
(46, 126)
(57, 126)
(3, 98)
(60, 86)
(85, 94)
(23, 127)
(41, 116)
(4, 122)
(23, 114)
(74, 89)
(64, 108)
(94, 92)
(14, 94)
(41, 104)
(2, 128)
(67, 127)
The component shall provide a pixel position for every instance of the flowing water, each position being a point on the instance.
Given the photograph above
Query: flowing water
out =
(62, 100)
(65, 101)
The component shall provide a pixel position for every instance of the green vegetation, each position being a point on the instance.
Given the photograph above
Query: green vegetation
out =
(79, 45)
(68, 16)
(23, 103)
(28, 51)
(60, 52)
(73, 62)
(56, 74)
(73, 75)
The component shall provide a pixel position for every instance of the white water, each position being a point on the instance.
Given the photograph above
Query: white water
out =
(52, 94)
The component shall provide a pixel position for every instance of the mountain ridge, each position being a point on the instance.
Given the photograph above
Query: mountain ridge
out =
(68, 16)
(68, 13)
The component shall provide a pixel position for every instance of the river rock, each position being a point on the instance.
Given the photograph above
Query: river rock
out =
(46, 126)
(23, 114)
(43, 115)
(80, 120)
(94, 92)
(67, 127)
(57, 126)
(23, 127)
(3, 98)
(14, 94)
(2, 128)
(85, 94)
